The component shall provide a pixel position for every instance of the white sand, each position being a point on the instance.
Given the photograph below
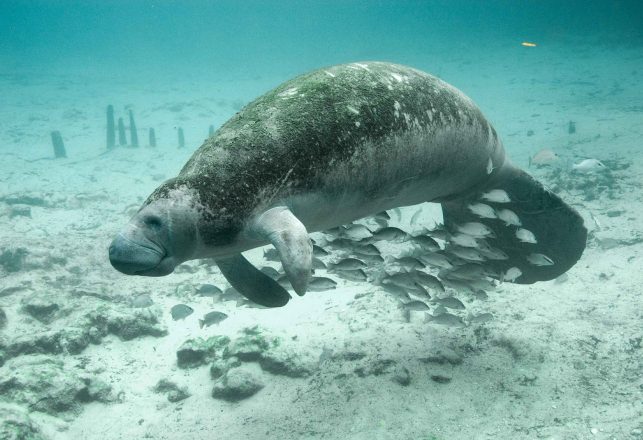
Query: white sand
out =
(558, 361)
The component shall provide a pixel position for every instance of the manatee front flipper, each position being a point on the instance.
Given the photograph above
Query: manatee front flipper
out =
(560, 234)
(288, 235)
(252, 283)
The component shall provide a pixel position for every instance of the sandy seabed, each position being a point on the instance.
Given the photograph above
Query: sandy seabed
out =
(559, 360)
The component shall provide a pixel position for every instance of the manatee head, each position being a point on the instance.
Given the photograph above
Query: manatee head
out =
(162, 234)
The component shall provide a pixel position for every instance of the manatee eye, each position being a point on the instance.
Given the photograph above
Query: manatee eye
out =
(152, 221)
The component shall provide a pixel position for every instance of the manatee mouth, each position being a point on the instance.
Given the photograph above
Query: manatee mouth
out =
(132, 258)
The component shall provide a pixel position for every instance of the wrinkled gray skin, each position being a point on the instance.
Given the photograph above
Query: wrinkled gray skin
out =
(321, 150)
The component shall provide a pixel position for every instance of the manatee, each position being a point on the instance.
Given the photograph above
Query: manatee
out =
(330, 147)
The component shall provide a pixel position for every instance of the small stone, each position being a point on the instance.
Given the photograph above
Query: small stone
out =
(198, 351)
(41, 307)
(251, 346)
(74, 340)
(95, 335)
(288, 360)
(43, 384)
(402, 376)
(173, 392)
(129, 323)
(15, 424)
(239, 383)
(443, 356)
(375, 368)
(220, 366)
(440, 378)
(141, 301)
(99, 390)
(13, 260)
(594, 431)
(20, 211)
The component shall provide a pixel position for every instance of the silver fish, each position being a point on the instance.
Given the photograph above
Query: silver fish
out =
(356, 231)
(409, 263)
(318, 284)
(398, 213)
(467, 271)
(366, 249)
(389, 233)
(370, 258)
(481, 284)
(342, 244)
(212, 318)
(496, 196)
(512, 274)
(397, 291)
(492, 253)
(181, 311)
(405, 280)
(482, 210)
(428, 280)
(318, 251)
(438, 232)
(450, 302)
(415, 217)
(209, 290)
(465, 253)
(540, 260)
(509, 217)
(271, 255)
(436, 260)
(352, 275)
(421, 291)
(478, 319)
(446, 319)
(526, 236)
(383, 216)
(588, 166)
(439, 310)
(464, 240)
(459, 285)
(416, 305)
(318, 264)
(347, 264)
(475, 229)
(231, 294)
(426, 243)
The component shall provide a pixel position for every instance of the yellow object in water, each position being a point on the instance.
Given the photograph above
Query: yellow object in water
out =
(528, 44)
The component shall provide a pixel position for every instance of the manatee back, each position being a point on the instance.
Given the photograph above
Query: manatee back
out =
(307, 125)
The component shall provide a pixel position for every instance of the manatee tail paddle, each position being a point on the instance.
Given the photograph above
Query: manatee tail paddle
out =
(560, 236)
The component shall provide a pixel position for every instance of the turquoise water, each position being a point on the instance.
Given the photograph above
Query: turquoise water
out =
(88, 352)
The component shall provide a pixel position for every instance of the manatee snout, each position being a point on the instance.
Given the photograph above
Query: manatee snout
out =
(132, 257)
(137, 250)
